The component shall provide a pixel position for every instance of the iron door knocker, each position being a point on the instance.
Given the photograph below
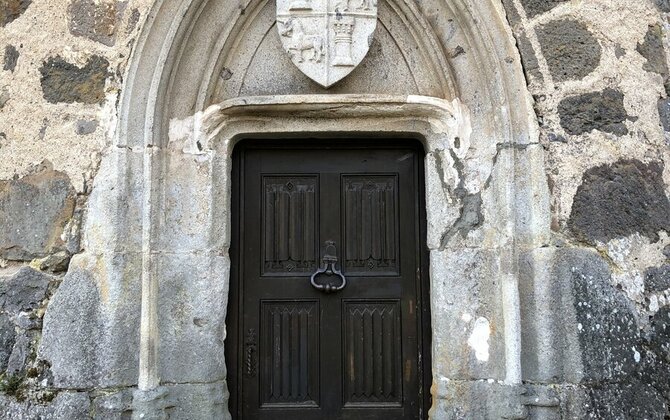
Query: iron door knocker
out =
(328, 268)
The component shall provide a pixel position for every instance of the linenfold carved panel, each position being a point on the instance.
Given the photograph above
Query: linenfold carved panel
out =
(289, 221)
(372, 353)
(290, 353)
(370, 224)
(326, 39)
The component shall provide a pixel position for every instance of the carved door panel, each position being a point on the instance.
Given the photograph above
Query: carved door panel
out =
(327, 346)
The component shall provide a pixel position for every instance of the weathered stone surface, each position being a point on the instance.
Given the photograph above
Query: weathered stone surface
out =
(192, 307)
(66, 406)
(71, 405)
(652, 49)
(618, 200)
(133, 20)
(7, 338)
(549, 343)
(571, 50)
(96, 20)
(17, 360)
(97, 307)
(86, 127)
(113, 221)
(65, 82)
(116, 406)
(657, 279)
(24, 291)
(467, 309)
(35, 209)
(602, 111)
(607, 327)
(27, 321)
(537, 7)
(663, 5)
(56, 263)
(653, 371)
(512, 14)
(10, 10)
(470, 218)
(478, 400)
(4, 97)
(529, 59)
(11, 58)
(633, 400)
(660, 337)
(580, 329)
(577, 327)
(197, 401)
(664, 113)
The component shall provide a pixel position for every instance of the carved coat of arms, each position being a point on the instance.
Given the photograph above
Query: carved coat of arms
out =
(326, 39)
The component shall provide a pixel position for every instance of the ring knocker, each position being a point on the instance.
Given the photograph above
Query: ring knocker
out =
(328, 268)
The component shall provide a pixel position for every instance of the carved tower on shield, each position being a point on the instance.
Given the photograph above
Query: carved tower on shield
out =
(344, 29)
(326, 39)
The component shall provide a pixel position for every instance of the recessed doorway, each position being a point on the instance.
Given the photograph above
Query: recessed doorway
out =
(329, 309)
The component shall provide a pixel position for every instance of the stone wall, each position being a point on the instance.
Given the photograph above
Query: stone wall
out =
(596, 334)
(598, 72)
(62, 71)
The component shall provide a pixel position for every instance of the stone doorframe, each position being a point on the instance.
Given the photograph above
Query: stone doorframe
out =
(444, 129)
(158, 226)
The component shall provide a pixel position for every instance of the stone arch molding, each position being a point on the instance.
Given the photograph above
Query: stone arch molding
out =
(144, 306)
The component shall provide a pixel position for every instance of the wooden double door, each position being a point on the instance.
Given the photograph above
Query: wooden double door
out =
(328, 312)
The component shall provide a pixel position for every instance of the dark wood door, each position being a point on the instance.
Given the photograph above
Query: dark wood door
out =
(316, 348)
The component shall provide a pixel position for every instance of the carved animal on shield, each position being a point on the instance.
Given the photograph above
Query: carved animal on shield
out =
(367, 4)
(342, 5)
(302, 45)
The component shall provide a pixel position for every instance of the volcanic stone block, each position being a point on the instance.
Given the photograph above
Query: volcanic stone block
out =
(660, 340)
(602, 111)
(4, 97)
(537, 7)
(34, 210)
(663, 5)
(11, 57)
(96, 20)
(652, 49)
(7, 337)
(528, 58)
(85, 127)
(619, 200)
(631, 400)
(571, 50)
(512, 15)
(664, 113)
(657, 279)
(65, 82)
(17, 360)
(24, 291)
(607, 326)
(10, 10)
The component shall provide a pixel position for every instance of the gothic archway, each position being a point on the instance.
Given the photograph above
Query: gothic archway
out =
(205, 72)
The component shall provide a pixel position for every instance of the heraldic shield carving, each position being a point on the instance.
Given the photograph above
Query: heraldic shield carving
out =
(326, 39)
